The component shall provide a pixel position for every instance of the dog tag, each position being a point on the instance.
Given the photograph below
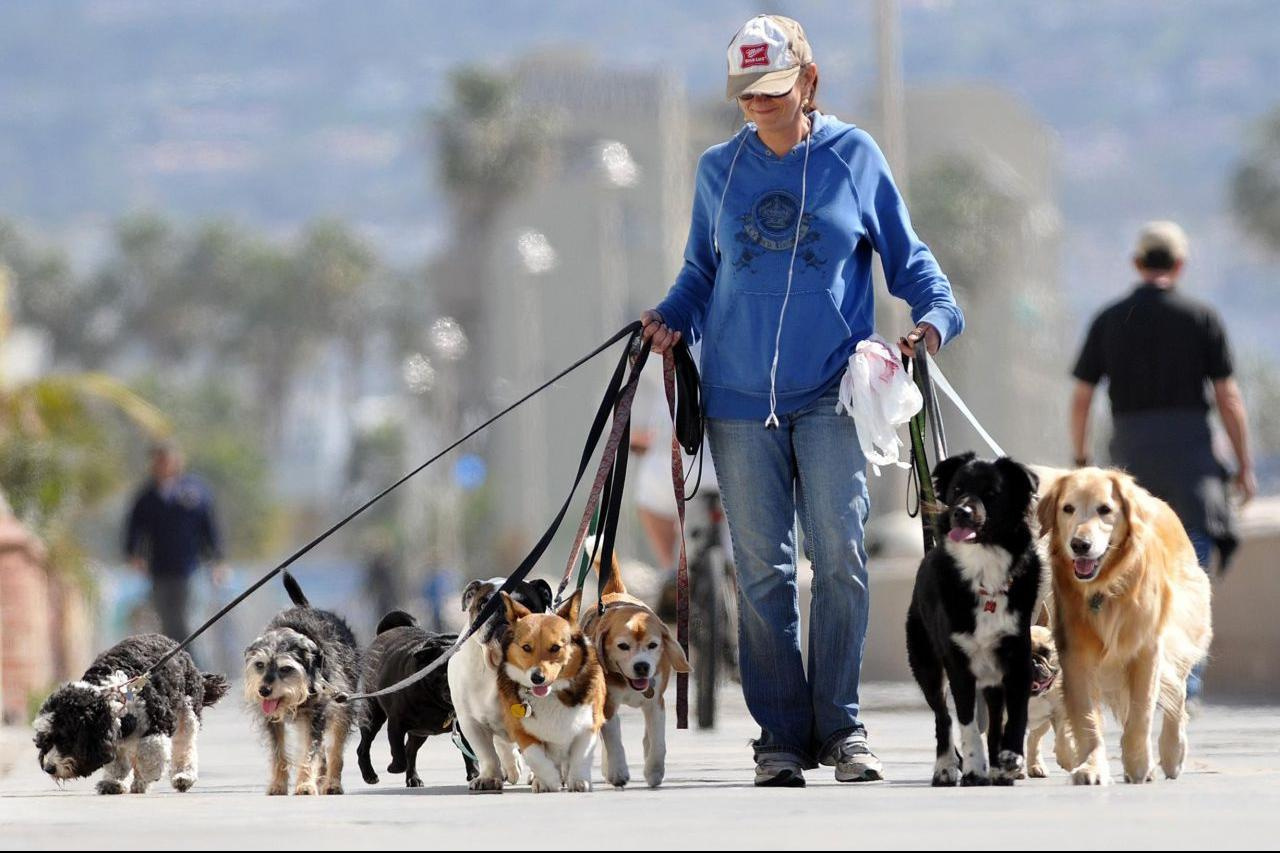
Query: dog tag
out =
(521, 710)
(648, 694)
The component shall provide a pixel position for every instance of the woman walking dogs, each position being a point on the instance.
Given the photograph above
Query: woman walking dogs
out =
(777, 283)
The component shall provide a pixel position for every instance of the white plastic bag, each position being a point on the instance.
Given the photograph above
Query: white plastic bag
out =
(878, 393)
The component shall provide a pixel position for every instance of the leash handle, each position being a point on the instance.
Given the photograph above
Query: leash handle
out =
(630, 330)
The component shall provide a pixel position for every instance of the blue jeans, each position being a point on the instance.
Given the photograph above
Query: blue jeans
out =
(1204, 554)
(811, 465)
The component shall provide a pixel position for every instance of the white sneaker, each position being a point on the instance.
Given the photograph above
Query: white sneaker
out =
(853, 759)
(778, 770)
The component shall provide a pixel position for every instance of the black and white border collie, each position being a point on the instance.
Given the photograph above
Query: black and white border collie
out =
(970, 618)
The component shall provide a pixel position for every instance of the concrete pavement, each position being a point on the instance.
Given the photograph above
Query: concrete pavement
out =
(1229, 797)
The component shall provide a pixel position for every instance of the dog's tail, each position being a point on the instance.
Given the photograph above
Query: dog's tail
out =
(615, 584)
(215, 687)
(396, 619)
(295, 591)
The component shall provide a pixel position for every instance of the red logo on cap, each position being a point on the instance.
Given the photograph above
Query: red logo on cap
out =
(755, 54)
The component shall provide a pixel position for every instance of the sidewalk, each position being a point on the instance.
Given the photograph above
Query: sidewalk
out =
(1229, 796)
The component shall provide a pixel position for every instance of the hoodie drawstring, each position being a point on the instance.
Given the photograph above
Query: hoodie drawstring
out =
(771, 422)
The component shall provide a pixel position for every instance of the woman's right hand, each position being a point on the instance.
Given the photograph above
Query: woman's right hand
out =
(660, 336)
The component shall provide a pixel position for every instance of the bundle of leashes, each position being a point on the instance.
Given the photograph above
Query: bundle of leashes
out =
(927, 375)
(685, 407)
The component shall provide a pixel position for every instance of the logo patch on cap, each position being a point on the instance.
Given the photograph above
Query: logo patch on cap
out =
(754, 55)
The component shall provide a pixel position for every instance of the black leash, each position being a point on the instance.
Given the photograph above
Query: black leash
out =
(631, 330)
(921, 471)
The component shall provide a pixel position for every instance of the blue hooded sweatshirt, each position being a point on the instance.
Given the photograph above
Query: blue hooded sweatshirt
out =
(730, 291)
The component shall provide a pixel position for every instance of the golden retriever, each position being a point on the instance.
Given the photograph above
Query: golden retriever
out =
(1131, 617)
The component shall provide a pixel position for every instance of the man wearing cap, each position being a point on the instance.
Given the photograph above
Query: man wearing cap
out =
(170, 528)
(1158, 348)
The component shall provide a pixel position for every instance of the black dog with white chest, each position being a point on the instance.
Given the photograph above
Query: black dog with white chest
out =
(411, 715)
(969, 624)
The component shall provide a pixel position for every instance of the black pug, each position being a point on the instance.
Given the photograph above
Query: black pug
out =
(98, 722)
(292, 672)
(971, 612)
(423, 709)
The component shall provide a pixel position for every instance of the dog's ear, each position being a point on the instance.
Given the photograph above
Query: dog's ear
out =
(1047, 507)
(569, 610)
(513, 609)
(544, 593)
(1135, 505)
(469, 593)
(1019, 476)
(945, 470)
(674, 654)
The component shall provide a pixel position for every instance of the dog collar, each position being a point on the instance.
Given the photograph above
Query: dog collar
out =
(989, 606)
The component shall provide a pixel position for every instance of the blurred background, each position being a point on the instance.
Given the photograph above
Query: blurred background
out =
(314, 242)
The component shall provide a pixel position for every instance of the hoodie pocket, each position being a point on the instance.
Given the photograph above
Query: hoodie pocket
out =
(739, 342)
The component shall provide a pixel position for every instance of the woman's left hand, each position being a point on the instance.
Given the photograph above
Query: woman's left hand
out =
(932, 340)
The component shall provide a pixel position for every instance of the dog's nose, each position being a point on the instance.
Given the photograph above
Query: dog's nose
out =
(50, 769)
(641, 668)
(963, 512)
(264, 690)
(537, 677)
(1079, 547)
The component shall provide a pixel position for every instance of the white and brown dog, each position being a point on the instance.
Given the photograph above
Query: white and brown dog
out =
(638, 654)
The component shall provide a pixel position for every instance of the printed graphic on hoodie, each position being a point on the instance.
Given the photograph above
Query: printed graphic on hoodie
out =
(770, 225)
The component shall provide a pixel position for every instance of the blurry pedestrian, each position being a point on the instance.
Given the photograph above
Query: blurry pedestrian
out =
(1159, 349)
(171, 528)
(382, 582)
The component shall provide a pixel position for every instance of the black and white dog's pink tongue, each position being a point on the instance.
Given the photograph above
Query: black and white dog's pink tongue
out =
(269, 706)
(639, 683)
(541, 690)
(962, 534)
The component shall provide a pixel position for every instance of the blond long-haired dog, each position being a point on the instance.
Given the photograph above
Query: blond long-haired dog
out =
(1131, 614)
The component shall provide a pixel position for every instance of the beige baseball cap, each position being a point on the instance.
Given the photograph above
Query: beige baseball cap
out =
(1162, 236)
(766, 55)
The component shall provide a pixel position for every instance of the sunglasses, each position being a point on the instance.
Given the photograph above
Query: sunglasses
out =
(748, 98)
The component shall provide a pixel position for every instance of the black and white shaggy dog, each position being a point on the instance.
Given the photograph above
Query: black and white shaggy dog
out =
(97, 722)
(292, 672)
(970, 618)
(423, 709)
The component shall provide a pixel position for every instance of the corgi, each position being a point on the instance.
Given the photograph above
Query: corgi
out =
(638, 654)
(553, 688)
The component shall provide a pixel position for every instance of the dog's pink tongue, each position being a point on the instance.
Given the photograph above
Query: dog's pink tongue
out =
(269, 706)
(962, 534)
(542, 690)
(639, 683)
(1084, 567)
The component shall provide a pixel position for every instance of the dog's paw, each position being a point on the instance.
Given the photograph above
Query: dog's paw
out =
(414, 781)
(653, 776)
(974, 780)
(183, 782)
(278, 789)
(370, 778)
(306, 789)
(1037, 771)
(139, 787)
(618, 777)
(111, 786)
(334, 788)
(1087, 775)
(483, 785)
(946, 777)
(578, 786)
(541, 787)
(1140, 778)
(1008, 767)
(396, 766)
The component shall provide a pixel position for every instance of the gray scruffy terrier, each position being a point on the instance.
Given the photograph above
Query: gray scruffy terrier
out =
(303, 659)
(104, 721)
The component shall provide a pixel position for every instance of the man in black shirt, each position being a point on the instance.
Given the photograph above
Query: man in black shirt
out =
(1159, 349)
(170, 528)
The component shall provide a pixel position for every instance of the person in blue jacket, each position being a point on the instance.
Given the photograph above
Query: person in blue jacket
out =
(777, 285)
(171, 527)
